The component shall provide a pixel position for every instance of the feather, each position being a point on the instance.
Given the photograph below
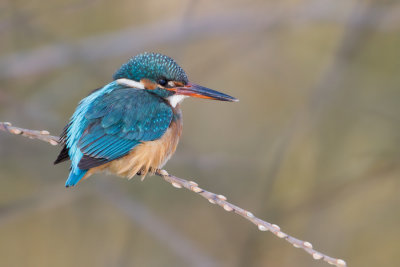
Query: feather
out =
(109, 123)
(63, 156)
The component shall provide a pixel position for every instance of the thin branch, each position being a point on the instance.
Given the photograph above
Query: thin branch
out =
(211, 197)
(262, 225)
(32, 134)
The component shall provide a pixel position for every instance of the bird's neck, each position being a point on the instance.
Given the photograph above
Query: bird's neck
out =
(174, 100)
(177, 114)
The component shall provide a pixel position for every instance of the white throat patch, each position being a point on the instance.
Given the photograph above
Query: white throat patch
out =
(175, 99)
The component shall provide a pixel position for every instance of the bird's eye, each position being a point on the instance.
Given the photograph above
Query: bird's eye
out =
(162, 82)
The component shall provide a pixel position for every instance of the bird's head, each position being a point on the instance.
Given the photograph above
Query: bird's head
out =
(163, 76)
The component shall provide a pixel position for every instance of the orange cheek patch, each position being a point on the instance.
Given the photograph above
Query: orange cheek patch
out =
(150, 85)
(178, 84)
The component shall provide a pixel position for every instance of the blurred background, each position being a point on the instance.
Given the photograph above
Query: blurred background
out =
(313, 144)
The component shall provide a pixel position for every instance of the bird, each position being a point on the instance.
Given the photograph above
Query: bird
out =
(132, 125)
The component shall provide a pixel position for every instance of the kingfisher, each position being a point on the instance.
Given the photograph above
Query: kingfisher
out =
(132, 125)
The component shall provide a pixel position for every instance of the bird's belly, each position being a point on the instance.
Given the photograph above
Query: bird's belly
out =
(148, 156)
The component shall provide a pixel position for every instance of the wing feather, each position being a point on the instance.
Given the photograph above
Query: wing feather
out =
(119, 121)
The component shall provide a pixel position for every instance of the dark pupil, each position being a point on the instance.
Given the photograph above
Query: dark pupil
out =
(162, 82)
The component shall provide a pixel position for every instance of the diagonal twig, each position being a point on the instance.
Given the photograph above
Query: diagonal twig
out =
(32, 134)
(211, 197)
(261, 224)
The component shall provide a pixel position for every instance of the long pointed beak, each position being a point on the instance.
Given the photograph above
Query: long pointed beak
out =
(195, 90)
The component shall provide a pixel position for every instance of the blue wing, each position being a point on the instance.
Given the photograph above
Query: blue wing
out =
(118, 122)
(109, 123)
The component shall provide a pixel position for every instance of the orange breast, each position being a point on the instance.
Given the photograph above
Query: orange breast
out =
(148, 156)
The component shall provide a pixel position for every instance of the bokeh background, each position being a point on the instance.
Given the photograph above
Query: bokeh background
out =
(313, 144)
